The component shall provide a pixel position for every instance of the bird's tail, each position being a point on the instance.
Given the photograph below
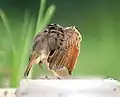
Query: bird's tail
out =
(30, 64)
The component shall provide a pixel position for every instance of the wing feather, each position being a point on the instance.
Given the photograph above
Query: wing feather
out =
(67, 54)
(53, 59)
(74, 51)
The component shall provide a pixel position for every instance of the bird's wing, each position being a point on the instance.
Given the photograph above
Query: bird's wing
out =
(67, 54)
(73, 53)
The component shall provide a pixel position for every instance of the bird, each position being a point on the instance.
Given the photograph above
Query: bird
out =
(57, 47)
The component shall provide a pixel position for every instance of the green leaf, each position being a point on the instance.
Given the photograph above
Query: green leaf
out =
(48, 15)
(40, 15)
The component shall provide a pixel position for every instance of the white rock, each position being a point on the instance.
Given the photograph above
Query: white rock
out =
(69, 88)
(7, 92)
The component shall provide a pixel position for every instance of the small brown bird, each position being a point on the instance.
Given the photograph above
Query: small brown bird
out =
(58, 47)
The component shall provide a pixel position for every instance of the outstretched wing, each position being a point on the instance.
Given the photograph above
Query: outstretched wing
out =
(67, 52)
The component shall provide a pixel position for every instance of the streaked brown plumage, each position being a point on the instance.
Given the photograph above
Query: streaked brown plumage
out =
(58, 47)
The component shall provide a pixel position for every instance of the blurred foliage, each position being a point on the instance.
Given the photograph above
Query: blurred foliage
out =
(15, 50)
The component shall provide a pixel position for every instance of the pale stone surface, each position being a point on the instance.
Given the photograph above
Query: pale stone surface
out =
(69, 88)
(7, 92)
(64, 88)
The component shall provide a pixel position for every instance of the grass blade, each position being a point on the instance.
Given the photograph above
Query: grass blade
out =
(18, 57)
(40, 15)
(25, 24)
(14, 52)
(26, 47)
(9, 32)
(48, 15)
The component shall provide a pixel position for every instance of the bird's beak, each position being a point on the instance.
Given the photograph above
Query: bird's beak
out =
(29, 66)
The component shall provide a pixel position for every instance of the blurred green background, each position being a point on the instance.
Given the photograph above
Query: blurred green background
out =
(98, 21)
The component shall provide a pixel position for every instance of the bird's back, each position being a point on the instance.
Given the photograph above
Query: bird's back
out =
(64, 43)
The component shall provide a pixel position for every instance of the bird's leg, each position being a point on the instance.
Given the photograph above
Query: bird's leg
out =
(40, 65)
(58, 77)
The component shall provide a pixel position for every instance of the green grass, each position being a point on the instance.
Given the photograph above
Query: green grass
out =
(18, 48)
